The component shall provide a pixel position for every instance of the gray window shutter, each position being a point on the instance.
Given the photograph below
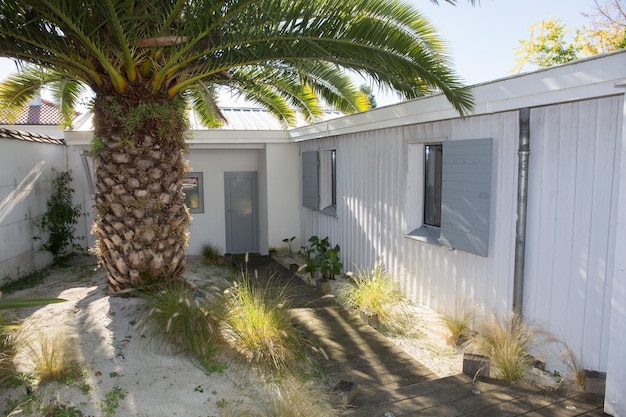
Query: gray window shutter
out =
(466, 195)
(310, 180)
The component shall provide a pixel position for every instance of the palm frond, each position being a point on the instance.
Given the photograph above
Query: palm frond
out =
(19, 89)
(66, 93)
(201, 99)
(172, 45)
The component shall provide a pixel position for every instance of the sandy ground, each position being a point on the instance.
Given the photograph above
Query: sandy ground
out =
(116, 358)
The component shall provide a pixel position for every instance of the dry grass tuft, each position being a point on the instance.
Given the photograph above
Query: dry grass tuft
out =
(508, 340)
(287, 398)
(575, 371)
(54, 357)
(459, 323)
(8, 350)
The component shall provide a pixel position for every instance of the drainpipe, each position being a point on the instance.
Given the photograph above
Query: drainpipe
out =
(522, 203)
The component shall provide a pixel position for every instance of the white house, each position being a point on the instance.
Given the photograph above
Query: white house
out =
(521, 205)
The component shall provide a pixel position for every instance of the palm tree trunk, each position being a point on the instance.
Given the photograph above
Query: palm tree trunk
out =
(141, 218)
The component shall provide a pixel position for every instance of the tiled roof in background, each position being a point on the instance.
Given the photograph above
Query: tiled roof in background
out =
(29, 137)
(38, 112)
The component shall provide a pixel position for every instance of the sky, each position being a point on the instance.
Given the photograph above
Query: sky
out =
(480, 39)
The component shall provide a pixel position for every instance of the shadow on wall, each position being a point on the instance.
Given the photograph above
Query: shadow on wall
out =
(21, 191)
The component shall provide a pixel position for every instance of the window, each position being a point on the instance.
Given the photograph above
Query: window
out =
(319, 180)
(193, 189)
(453, 200)
(432, 184)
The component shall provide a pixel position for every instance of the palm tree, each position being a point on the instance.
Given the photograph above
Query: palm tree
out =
(145, 60)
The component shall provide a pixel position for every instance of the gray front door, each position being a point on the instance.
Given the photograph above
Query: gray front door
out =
(242, 229)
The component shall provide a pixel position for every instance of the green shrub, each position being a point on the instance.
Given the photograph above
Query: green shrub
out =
(60, 219)
(374, 292)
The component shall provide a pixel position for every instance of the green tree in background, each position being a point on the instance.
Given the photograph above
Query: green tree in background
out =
(371, 98)
(146, 61)
(552, 43)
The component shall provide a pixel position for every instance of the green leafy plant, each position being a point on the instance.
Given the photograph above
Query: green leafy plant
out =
(23, 282)
(112, 401)
(60, 219)
(508, 340)
(320, 256)
(375, 292)
(62, 410)
(257, 324)
(97, 146)
(184, 322)
(288, 241)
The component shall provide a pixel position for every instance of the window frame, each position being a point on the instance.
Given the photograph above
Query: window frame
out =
(466, 177)
(319, 180)
(199, 177)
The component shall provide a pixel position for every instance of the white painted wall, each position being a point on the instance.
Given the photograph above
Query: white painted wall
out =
(283, 189)
(210, 225)
(615, 401)
(571, 222)
(372, 220)
(25, 186)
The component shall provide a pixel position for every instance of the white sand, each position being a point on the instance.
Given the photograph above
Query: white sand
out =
(116, 357)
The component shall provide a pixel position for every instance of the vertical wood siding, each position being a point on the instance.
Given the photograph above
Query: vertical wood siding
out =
(571, 212)
(371, 221)
(570, 215)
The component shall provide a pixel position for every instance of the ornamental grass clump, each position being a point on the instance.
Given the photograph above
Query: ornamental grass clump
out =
(257, 324)
(374, 292)
(211, 253)
(8, 349)
(508, 340)
(183, 322)
(54, 356)
(459, 322)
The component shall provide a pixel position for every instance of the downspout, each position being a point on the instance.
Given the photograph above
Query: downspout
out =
(522, 204)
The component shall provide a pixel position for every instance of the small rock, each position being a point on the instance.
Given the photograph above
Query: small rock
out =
(344, 393)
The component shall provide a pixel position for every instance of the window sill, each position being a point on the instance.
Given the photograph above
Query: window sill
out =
(330, 211)
(427, 234)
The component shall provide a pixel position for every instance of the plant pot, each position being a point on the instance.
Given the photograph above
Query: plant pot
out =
(294, 268)
(323, 285)
(228, 259)
(273, 252)
(595, 382)
(476, 365)
(369, 317)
